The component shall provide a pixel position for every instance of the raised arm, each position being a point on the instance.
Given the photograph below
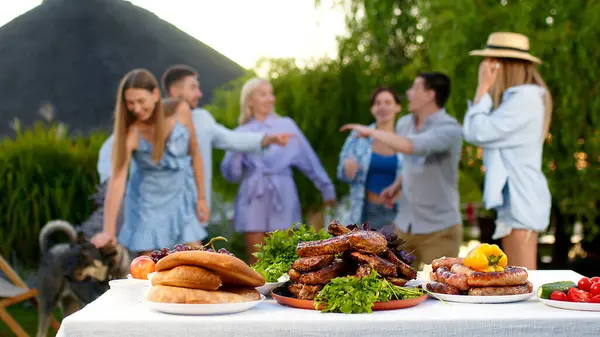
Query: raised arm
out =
(510, 124)
(310, 165)
(436, 140)
(225, 139)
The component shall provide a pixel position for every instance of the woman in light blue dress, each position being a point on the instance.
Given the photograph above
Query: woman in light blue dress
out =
(162, 206)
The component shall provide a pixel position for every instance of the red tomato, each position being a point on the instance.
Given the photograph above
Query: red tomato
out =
(558, 296)
(595, 299)
(578, 295)
(595, 289)
(584, 284)
(595, 279)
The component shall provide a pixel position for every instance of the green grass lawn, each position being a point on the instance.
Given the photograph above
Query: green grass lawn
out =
(26, 315)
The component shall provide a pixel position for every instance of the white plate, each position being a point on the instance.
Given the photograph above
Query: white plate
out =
(572, 305)
(202, 309)
(483, 299)
(267, 288)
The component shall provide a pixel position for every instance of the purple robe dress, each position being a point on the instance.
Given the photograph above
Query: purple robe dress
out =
(267, 198)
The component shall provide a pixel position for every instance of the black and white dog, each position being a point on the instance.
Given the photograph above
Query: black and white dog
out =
(73, 274)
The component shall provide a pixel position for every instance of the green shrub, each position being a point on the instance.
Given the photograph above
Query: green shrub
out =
(44, 175)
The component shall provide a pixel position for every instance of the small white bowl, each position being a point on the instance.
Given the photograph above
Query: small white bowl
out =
(267, 288)
(128, 291)
(149, 277)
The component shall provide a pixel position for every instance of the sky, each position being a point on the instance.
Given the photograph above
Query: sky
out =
(255, 29)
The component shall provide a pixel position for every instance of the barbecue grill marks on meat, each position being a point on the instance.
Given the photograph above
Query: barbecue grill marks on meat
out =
(304, 291)
(446, 262)
(502, 291)
(381, 266)
(461, 280)
(442, 288)
(306, 264)
(294, 274)
(348, 253)
(322, 276)
(329, 246)
(403, 268)
(368, 242)
(511, 276)
(363, 270)
(336, 229)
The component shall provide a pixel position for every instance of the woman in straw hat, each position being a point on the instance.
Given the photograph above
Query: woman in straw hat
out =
(510, 119)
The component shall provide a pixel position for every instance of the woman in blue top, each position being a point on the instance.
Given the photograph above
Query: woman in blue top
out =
(510, 119)
(162, 204)
(370, 166)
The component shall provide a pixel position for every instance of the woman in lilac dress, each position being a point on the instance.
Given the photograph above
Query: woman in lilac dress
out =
(267, 199)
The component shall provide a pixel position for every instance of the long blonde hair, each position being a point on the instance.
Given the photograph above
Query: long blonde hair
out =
(247, 90)
(513, 72)
(136, 79)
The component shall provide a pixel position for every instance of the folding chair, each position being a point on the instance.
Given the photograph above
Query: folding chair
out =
(13, 291)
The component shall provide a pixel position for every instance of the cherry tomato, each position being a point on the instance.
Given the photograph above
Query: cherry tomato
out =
(595, 289)
(595, 279)
(578, 295)
(558, 296)
(584, 284)
(595, 299)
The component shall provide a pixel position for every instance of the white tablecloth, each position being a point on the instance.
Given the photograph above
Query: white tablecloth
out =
(431, 318)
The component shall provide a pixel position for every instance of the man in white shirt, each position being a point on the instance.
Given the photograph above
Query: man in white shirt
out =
(181, 81)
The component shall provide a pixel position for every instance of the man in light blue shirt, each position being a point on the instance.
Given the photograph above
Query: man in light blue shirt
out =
(181, 81)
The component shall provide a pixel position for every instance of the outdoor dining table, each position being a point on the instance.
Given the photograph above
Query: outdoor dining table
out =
(431, 318)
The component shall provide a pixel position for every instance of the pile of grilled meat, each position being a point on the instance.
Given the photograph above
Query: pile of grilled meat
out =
(350, 252)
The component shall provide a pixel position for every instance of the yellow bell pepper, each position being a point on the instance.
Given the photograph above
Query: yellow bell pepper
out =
(486, 258)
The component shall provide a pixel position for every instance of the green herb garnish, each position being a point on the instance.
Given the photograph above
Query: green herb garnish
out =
(354, 295)
(278, 252)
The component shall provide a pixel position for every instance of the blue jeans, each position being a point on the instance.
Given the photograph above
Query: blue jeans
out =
(378, 215)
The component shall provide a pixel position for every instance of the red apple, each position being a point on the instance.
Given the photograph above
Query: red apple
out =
(141, 266)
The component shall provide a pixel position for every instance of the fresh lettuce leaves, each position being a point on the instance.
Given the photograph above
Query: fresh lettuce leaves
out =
(278, 252)
(354, 295)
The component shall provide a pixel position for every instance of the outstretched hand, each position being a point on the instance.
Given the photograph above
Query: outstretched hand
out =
(361, 130)
(280, 139)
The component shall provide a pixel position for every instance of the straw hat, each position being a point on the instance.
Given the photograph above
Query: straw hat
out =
(507, 45)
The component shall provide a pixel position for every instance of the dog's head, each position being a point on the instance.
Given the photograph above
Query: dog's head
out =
(100, 265)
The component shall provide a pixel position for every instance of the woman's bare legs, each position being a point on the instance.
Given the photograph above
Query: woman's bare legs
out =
(252, 239)
(520, 247)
